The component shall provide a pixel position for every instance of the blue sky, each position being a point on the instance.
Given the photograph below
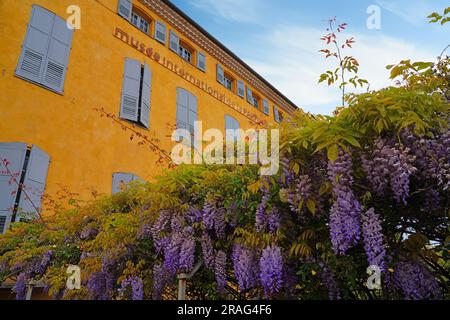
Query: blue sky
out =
(280, 39)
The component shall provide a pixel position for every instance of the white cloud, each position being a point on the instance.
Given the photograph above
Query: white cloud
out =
(233, 10)
(292, 63)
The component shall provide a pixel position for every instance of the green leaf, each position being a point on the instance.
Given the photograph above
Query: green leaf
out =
(311, 205)
(332, 152)
(352, 141)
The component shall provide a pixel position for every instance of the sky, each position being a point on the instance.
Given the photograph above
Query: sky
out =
(280, 39)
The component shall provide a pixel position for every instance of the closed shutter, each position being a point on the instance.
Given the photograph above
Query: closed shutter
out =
(125, 8)
(174, 41)
(220, 74)
(276, 115)
(266, 107)
(14, 154)
(58, 56)
(160, 32)
(231, 124)
(120, 180)
(34, 182)
(130, 90)
(249, 95)
(193, 113)
(241, 89)
(201, 61)
(146, 96)
(187, 110)
(36, 44)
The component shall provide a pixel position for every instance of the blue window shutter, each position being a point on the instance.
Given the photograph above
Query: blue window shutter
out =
(36, 44)
(266, 107)
(34, 183)
(201, 61)
(220, 74)
(174, 41)
(130, 90)
(249, 95)
(229, 125)
(146, 96)
(55, 66)
(240, 88)
(193, 113)
(14, 154)
(182, 108)
(125, 8)
(160, 32)
(120, 180)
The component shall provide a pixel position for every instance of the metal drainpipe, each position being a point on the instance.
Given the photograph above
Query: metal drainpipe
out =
(182, 279)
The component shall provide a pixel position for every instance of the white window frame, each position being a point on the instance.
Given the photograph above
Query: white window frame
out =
(139, 22)
(185, 53)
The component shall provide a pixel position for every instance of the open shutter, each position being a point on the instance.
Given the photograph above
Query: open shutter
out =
(36, 44)
(14, 154)
(58, 55)
(266, 107)
(220, 74)
(34, 182)
(121, 179)
(249, 95)
(146, 95)
(240, 88)
(201, 61)
(125, 8)
(160, 32)
(229, 125)
(130, 90)
(174, 41)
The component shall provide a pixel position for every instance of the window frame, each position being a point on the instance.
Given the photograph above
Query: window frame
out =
(141, 17)
(228, 78)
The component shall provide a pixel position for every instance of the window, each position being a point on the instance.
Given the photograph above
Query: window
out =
(249, 95)
(138, 21)
(187, 111)
(276, 114)
(124, 9)
(241, 89)
(220, 74)
(228, 82)
(160, 32)
(45, 51)
(231, 124)
(185, 52)
(121, 180)
(256, 101)
(136, 92)
(266, 107)
(29, 168)
(201, 61)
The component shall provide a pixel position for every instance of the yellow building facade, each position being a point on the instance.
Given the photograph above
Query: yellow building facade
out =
(143, 61)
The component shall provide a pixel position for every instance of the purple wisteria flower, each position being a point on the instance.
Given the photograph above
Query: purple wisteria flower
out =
(329, 280)
(207, 251)
(373, 239)
(271, 270)
(220, 270)
(245, 266)
(132, 287)
(345, 220)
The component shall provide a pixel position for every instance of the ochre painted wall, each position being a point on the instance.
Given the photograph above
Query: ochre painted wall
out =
(86, 149)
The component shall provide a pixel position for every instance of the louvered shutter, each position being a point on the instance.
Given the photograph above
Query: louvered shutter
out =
(220, 74)
(14, 154)
(201, 61)
(182, 109)
(125, 8)
(174, 41)
(250, 95)
(276, 115)
(192, 114)
(120, 180)
(229, 125)
(130, 90)
(146, 96)
(34, 182)
(36, 44)
(266, 107)
(58, 56)
(241, 89)
(160, 32)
